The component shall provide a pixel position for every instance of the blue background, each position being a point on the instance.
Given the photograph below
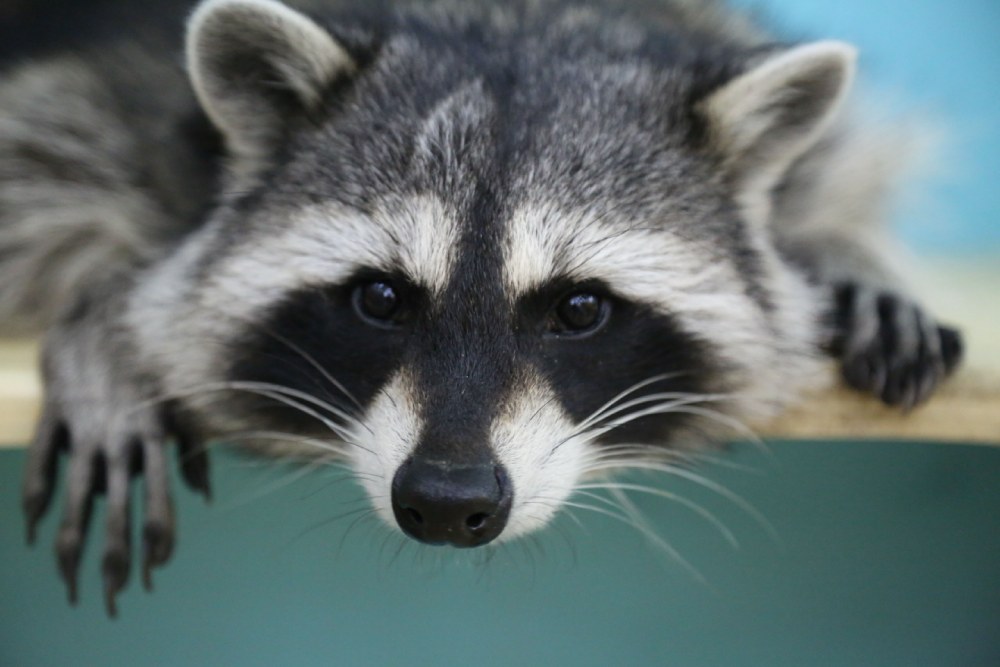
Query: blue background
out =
(940, 60)
(888, 554)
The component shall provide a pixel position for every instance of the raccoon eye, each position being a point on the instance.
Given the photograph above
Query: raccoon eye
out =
(377, 300)
(579, 313)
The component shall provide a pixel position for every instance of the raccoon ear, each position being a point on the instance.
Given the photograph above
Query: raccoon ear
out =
(253, 63)
(765, 118)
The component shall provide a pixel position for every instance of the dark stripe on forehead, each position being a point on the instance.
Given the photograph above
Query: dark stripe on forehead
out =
(465, 358)
(464, 348)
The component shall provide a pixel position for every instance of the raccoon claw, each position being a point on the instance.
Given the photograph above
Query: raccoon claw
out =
(193, 458)
(158, 531)
(110, 438)
(889, 346)
(40, 472)
(108, 466)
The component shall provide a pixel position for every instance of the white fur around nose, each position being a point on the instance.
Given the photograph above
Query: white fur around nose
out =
(392, 425)
(534, 439)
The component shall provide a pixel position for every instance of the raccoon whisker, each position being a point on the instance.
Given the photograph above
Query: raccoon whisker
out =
(357, 521)
(629, 452)
(675, 405)
(330, 447)
(250, 387)
(659, 454)
(597, 414)
(698, 458)
(539, 410)
(485, 559)
(594, 433)
(634, 520)
(685, 407)
(575, 519)
(668, 401)
(309, 359)
(597, 509)
(280, 396)
(295, 393)
(733, 423)
(342, 434)
(345, 477)
(681, 500)
(700, 480)
(276, 485)
(553, 504)
(670, 395)
(388, 396)
(402, 545)
(324, 373)
(319, 367)
(358, 513)
(631, 510)
(567, 538)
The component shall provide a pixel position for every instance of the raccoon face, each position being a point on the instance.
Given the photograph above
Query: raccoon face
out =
(481, 274)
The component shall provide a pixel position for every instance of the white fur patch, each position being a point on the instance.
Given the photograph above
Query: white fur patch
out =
(290, 51)
(316, 246)
(393, 426)
(773, 358)
(765, 119)
(533, 438)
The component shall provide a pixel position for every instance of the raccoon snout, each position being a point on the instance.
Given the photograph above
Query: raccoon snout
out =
(465, 506)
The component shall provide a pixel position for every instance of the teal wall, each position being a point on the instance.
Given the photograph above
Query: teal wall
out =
(889, 554)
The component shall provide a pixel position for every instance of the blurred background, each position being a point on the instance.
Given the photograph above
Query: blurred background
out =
(883, 553)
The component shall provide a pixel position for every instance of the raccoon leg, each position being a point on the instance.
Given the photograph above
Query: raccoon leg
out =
(828, 222)
(889, 346)
(887, 343)
(104, 167)
(105, 417)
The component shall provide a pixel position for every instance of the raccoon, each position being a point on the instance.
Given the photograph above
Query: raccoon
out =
(475, 252)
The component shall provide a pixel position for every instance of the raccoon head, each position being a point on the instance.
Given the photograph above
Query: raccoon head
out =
(481, 262)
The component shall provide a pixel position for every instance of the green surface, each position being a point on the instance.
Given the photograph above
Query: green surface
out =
(889, 555)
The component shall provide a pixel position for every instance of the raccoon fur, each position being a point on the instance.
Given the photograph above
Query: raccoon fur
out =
(476, 252)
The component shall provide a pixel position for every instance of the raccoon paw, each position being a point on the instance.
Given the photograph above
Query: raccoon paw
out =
(110, 434)
(889, 346)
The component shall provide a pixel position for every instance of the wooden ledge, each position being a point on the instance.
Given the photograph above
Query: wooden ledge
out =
(20, 391)
(965, 410)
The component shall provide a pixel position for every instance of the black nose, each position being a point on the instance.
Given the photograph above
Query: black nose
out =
(464, 506)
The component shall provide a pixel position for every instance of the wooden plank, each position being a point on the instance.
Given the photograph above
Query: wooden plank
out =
(20, 390)
(965, 410)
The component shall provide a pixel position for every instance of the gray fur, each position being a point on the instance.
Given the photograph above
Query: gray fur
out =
(97, 173)
(705, 175)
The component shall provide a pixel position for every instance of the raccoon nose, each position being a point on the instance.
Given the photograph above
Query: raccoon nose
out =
(465, 506)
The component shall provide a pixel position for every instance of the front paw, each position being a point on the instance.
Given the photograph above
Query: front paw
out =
(112, 428)
(889, 346)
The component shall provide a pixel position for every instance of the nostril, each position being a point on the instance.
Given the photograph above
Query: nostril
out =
(461, 505)
(476, 521)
